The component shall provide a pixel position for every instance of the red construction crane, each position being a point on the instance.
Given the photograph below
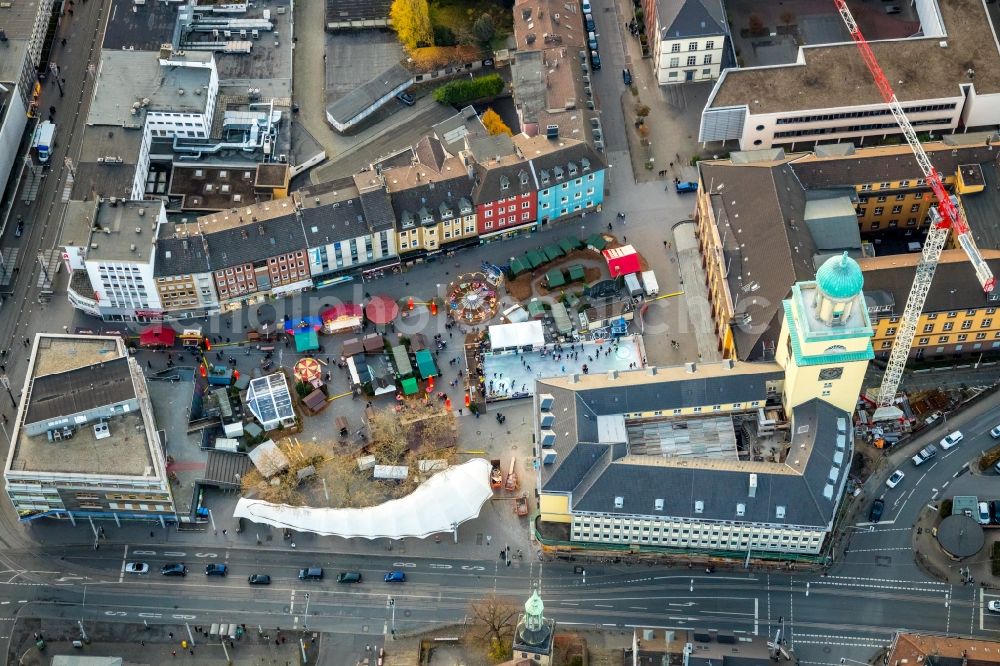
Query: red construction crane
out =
(947, 215)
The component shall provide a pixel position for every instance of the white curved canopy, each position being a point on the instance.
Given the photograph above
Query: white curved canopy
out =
(440, 504)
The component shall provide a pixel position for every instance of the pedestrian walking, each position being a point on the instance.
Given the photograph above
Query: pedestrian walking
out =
(225, 532)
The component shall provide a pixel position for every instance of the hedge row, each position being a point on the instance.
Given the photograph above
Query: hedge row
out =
(461, 91)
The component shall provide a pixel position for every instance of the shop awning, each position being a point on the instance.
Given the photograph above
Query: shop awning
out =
(409, 386)
(554, 278)
(306, 340)
(157, 336)
(426, 365)
(552, 252)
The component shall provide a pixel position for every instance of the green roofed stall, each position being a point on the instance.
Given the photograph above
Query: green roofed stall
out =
(576, 273)
(569, 244)
(597, 242)
(425, 364)
(535, 258)
(409, 386)
(517, 266)
(552, 252)
(536, 309)
(554, 278)
(402, 361)
(306, 340)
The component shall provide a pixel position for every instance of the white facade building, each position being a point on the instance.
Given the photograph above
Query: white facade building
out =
(827, 96)
(119, 261)
(84, 442)
(688, 39)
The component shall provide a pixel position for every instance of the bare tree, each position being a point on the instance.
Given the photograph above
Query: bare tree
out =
(493, 620)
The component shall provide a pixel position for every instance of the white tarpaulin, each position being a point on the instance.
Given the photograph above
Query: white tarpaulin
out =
(440, 504)
(521, 334)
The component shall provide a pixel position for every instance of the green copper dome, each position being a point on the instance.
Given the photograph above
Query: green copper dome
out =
(840, 277)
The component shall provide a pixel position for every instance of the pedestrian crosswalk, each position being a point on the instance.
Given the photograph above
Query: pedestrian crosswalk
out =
(67, 186)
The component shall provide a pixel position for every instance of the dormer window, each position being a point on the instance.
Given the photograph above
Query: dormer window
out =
(544, 176)
(572, 169)
(585, 163)
(504, 183)
(524, 177)
(558, 172)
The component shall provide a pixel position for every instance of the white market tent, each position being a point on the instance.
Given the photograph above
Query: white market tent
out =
(440, 504)
(521, 334)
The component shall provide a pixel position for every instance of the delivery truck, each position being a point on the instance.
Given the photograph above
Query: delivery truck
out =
(44, 140)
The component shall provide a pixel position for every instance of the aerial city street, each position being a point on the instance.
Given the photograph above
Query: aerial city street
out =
(552, 332)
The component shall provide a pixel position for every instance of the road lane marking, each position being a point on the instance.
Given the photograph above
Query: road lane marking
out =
(603, 606)
(887, 580)
(630, 607)
(756, 615)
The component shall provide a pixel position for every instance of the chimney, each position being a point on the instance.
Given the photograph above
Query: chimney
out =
(753, 485)
(691, 367)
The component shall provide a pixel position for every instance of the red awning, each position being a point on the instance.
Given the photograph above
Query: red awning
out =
(157, 336)
(342, 311)
(622, 260)
(381, 310)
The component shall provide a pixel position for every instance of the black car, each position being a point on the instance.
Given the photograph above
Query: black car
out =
(627, 77)
(875, 515)
(595, 60)
(175, 569)
(995, 511)
(406, 98)
(588, 22)
(259, 579)
(215, 570)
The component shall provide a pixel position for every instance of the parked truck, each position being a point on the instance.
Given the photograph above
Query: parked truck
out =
(44, 140)
(649, 283)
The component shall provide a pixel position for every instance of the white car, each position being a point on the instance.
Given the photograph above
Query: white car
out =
(136, 568)
(995, 433)
(993, 606)
(894, 480)
(984, 513)
(952, 440)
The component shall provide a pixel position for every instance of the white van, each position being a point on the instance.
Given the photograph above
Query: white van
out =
(649, 283)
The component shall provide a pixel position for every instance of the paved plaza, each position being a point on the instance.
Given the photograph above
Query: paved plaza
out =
(510, 375)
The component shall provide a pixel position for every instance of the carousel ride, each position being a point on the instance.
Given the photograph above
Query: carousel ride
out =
(473, 298)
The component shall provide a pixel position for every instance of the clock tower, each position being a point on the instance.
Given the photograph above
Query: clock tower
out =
(825, 341)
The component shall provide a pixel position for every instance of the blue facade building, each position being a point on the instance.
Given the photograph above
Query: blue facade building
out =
(569, 173)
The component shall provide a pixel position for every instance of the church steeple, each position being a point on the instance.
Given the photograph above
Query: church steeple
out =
(534, 634)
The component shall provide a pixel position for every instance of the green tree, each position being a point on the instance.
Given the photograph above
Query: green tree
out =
(411, 19)
(484, 29)
(494, 124)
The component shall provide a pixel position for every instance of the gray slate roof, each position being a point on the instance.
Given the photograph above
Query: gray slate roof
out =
(432, 197)
(81, 389)
(353, 103)
(595, 473)
(575, 152)
(490, 179)
(249, 243)
(377, 209)
(955, 286)
(690, 18)
(768, 247)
